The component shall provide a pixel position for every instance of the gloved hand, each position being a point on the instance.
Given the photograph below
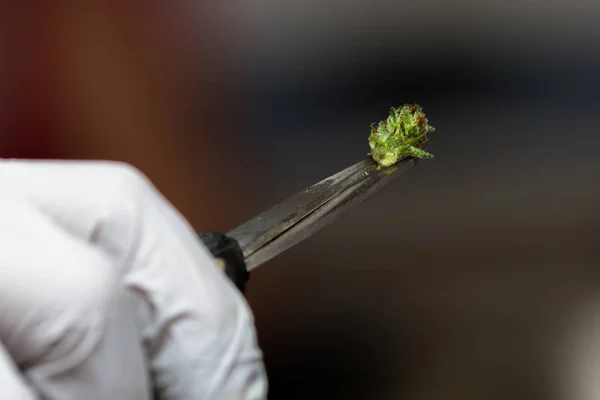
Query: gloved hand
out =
(107, 293)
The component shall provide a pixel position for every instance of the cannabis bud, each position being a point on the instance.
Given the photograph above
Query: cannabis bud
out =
(400, 135)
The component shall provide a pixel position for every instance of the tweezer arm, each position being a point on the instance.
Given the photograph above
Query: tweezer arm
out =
(231, 249)
(265, 227)
(371, 182)
(288, 223)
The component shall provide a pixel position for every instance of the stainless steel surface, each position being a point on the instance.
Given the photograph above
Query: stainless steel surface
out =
(260, 230)
(288, 223)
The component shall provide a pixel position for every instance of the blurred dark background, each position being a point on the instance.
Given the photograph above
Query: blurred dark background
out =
(456, 282)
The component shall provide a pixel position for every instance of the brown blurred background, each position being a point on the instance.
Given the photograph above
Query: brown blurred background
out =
(131, 81)
(456, 282)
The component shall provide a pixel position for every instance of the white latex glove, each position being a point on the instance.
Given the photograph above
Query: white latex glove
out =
(106, 292)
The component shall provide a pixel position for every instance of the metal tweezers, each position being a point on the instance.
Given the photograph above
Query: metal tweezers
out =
(295, 219)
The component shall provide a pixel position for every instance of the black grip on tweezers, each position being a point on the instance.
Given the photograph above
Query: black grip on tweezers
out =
(227, 249)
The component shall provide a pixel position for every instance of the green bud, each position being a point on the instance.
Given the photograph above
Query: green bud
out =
(401, 135)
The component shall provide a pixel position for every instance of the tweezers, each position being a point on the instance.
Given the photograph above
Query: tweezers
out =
(286, 224)
(295, 219)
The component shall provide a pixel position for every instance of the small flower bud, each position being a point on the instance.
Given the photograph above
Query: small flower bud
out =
(401, 135)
